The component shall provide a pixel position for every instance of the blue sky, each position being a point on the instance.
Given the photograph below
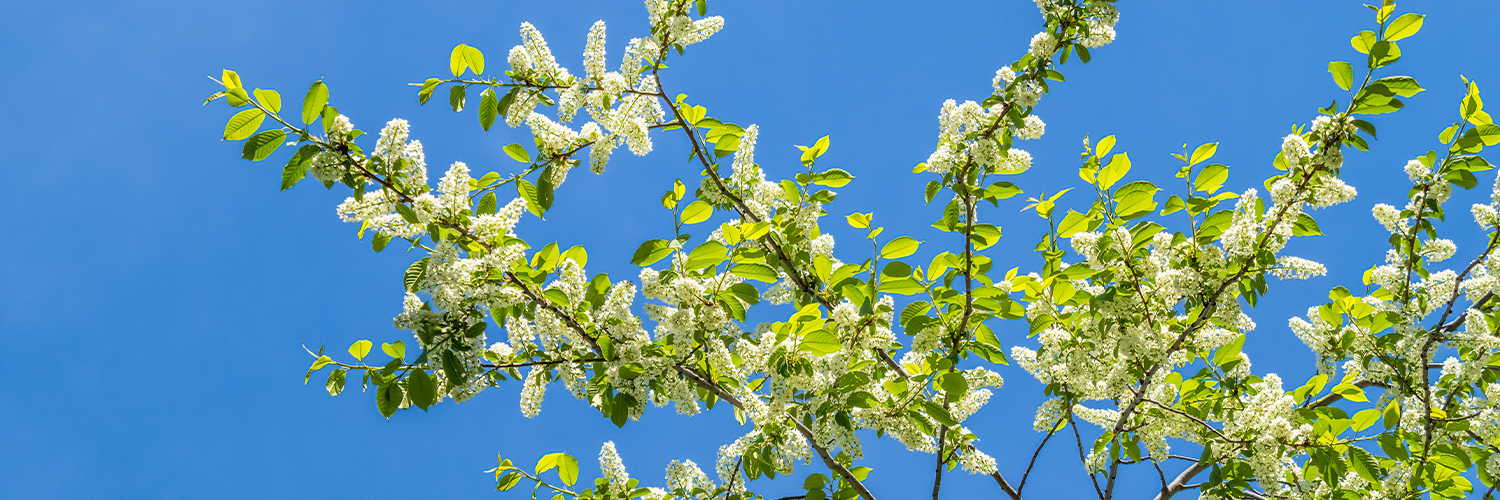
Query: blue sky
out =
(158, 289)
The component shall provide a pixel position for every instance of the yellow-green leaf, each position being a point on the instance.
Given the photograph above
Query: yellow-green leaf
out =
(243, 124)
(1343, 73)
(1363, 41)
(1119, 165)
(1406, 25)
(1211, 178)
(900, 247)
(312, 105)
(474, 58)
(456, 60)
(269, 98)
(1072, 224)
(1204, 152)
(1105, 145)
(360, 349)
(697, 211)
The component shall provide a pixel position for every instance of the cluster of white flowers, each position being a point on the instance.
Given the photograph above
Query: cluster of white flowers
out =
(961, 138)
(612, 468)
(1289, 267)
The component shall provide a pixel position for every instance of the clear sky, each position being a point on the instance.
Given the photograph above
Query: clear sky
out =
(157, 289)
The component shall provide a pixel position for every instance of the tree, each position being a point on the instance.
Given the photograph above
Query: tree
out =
(1155, 285)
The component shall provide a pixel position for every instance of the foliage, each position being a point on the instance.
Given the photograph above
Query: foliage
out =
(1155, 283)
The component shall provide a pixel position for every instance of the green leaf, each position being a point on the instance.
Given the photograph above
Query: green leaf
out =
(709, 254)
(1403, 86)
(528, 192)
(567, 469)
(1119, 165)
(414, 273)
(474, 58)
(396, 350)
(360, 348)
(1306, 226)
(263, 145)
(820, 342)
(939, 414)
(902, 286)
(745, 292)
(986, 235)
(1105, 145)
(1363, 41)
(1350, 392)
(1203, 153)
(427, 87)
(650, 252)
(312, 105)
(1001, 190)
(862, 399)
(335, 384)
(231, 80)
(833, 177)
(243, 124)
(1364, 464)
(269, 98)
(487, 204)
(1174, 203)
(407, 214)
(1343, 73)
(900, 247)
(758, 272)
(508, 481)
(955, 386)
(489, 108)
(1072, 224)
(1135, 199)
(1383, 53)
(518, 153)
(858, 220)
(379, 242)
(1406, 25)
(1230, 352)
(422, 389)
(697, 211)
(630, 371)
(1487, 134)
(296, 168)
(388, 399)
(1211, 178)
(457, 63)
(456, 97)
(1365, 418)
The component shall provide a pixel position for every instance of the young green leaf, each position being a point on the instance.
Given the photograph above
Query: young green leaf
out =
(1119, 165)
(269, 98)
(900, 247)
(650, 252)
(518, 153)
(1203, 153)
(457, 62)
(1211, 178)
(422, 389)
(1343, 74)
(312, 105)
(360, 349)
(263, 145)
(1406, 25)
(697, 211)
(243, 124)
(489, 108)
